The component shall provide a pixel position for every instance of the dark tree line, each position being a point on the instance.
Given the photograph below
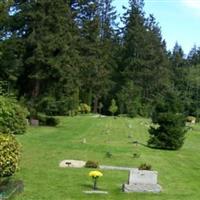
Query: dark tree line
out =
(56, 54)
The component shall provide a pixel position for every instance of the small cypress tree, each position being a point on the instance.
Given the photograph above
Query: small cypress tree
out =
(113, 107)
(169, 130)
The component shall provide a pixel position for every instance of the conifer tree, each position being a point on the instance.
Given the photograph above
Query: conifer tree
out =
(96, 31)
(144, 59)
(169, 130)
(48, 34)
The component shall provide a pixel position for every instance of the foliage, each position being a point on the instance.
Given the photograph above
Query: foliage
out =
(91, 164)
(47, 120)
(52, 121)
(170, 130)
(56, 54)
(12, 116)
(84, 108)
(143, 58)
(9, 155)
(129, 99)
(145, 166)
(48, 105)
(113, 107)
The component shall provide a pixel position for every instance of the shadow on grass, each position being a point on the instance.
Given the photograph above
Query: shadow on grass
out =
(137, 143)
(90, 187)
(87, 186)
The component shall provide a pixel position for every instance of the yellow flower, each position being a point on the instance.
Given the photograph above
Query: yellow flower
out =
(95, 174)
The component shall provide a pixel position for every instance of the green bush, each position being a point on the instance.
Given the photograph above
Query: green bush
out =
(52, 121)
(91, 164)
(42, 118)
(12, 116)
(113, 107)
(47, 120)
(9, 155)
(145, 166)
(84, 108)
(48, 105)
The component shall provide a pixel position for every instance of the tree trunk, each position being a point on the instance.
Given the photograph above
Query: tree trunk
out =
(96, 99)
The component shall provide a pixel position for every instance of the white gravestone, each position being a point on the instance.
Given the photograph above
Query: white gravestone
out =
(142, 181)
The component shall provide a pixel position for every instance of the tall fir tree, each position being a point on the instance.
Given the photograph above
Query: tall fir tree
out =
(144, 59)
(51, 63)
(95, 23)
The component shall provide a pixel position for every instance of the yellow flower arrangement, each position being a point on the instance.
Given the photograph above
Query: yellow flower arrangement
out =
(95, 175)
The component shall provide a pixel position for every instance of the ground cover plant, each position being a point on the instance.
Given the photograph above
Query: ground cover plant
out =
(45, 147)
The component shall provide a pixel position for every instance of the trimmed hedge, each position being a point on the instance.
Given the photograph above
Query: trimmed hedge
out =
(47, 120)
(91, 164)
(9, 155)
(12, 116)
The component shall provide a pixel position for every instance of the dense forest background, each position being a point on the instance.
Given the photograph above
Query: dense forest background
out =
(57, 54)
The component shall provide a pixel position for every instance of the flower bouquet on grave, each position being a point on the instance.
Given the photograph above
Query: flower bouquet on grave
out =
(95, 175)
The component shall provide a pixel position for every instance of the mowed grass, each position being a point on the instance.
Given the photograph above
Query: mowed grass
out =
(45, 147)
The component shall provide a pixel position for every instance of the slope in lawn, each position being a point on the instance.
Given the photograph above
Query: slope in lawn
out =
(44, 148)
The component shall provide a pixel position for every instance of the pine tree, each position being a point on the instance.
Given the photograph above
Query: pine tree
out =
(51, 63)
(10, 48)
(96, 31)
(144, 60)
(129, 99)
(169, 130)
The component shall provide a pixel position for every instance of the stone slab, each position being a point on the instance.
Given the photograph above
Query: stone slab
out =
(142, 181)
(155, 188)
(72, 163)
(95, 192)
(106, 167)
(142, 177)
(10, 189)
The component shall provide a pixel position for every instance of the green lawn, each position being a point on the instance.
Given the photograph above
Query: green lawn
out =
(45, 147)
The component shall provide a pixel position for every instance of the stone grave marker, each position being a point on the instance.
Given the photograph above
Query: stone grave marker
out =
(142, 181)
(34, 122)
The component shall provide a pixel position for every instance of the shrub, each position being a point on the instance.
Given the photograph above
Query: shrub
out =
(113, 107)
(145, 166)
(52, 121)
(12, 116)
(47, 120)
(9, 155)
(84, 108)
(42, 118)
(47, 105)
(91, 164)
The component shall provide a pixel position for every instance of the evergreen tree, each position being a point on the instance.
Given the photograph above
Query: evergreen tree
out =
(194, 56)
(96, 31)
(48, 34)
(113, 107)
(169, 130)
(144, 60)
(129, 98)
(10, 48)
